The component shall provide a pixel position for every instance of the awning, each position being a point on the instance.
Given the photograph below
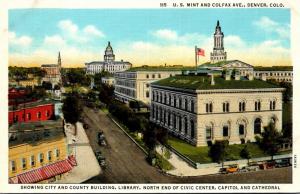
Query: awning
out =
(72, 160)
(45, 172)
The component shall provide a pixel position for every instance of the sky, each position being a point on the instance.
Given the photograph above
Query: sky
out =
(147, 36)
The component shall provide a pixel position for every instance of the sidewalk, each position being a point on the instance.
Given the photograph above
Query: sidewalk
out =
(183, 169)
(87, 164)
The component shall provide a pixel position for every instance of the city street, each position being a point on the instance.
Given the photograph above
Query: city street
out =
(126, 162)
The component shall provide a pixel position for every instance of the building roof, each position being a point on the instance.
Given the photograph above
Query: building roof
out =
(161, 68)
(104, 62)
(34, 132)
(49, 65)
(31, 104)
(273, 68)
(197, 82)
(223, 63)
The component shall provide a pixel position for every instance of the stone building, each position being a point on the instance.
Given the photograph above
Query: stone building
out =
(134, 84)
(201, 109)
(53, 72)
(109, 64)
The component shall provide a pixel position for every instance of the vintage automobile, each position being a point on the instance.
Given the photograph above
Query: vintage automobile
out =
(232, 168)
(222, 171)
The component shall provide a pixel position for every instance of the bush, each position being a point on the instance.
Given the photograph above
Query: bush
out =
(162, 163)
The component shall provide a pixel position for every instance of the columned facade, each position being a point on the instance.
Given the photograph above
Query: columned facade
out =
(201, 117)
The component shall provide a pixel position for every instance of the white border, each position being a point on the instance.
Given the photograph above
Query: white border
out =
(5, 5)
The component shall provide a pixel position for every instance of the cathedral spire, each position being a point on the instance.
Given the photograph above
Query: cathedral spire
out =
(59, 60)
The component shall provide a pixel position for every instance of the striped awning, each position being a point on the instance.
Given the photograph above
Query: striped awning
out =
(45, 172)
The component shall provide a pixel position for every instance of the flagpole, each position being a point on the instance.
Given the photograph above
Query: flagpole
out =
(196, 57)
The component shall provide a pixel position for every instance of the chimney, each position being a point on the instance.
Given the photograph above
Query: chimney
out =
(212, 80)
(227, 75)
(250, 76)
(237, 75)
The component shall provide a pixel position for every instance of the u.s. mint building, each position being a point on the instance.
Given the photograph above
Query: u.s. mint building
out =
(203, 108)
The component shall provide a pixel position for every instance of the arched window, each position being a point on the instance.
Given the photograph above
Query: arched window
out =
(241, 129)
(257, 105)
(180, 103)
(179, 123)
(272, 105)
(185, 104)
(257, 126)
(208, 132)
(192, 106)
(169, 119)
(174, 121)
(225, 107)
(185, 125)
(225, 131)
(209, 107)
(192, 128)
(242, 106)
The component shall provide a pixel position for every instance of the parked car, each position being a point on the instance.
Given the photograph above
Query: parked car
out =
(244, 169)
(282, 163)
(222, 171)
(103, 142)
(253, 168)
(232, 168)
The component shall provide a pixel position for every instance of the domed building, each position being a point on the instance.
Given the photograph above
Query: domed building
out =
(109, 64)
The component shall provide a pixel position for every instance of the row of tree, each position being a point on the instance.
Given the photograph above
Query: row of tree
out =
(269, 141)
(21, 73)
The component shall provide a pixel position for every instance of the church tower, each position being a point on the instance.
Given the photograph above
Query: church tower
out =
(109, 54)
(59, 60)
(218, 53)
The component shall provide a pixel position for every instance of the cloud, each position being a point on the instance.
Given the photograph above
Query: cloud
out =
(165, 34)
(271, 26)
(54, 40)
(68, 26)
(23, 41)
(92, 30)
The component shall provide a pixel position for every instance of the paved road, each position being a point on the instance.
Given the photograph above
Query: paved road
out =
(126, 162)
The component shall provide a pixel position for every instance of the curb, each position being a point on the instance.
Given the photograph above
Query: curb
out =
(127, 134)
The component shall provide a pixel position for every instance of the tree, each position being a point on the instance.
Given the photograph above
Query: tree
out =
(245, 153)
(270, 139)
(71, 109)
(218, 151)
(149, 137)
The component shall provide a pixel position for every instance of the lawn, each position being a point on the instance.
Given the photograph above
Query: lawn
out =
(200, 154)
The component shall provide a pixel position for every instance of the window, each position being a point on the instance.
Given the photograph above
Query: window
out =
(174, 121)
(159, 76)
(147, 85)
(147, 94)
(153, 75)
(41, 157)
(241, 129)
(47, 113)
(192, 106)
(192, 128)
(209, 107)
(32, 160)
(225, 107)
(169, 119)
(180, 103)
(242, 106)
(257, 126)
(49, 155)
(165, 100)
(225, 131)
(175, 103)
(13, 166)
(272, 105)
(185, 104)
(147, 76)
(208, 133)
(185, 125)
(179, 123)
(39, 115)
(28, 116)
(257, 106)
(23, 161)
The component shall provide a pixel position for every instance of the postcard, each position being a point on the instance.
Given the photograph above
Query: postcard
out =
(149, 96)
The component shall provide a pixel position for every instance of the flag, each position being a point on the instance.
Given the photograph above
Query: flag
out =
(200, 51)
